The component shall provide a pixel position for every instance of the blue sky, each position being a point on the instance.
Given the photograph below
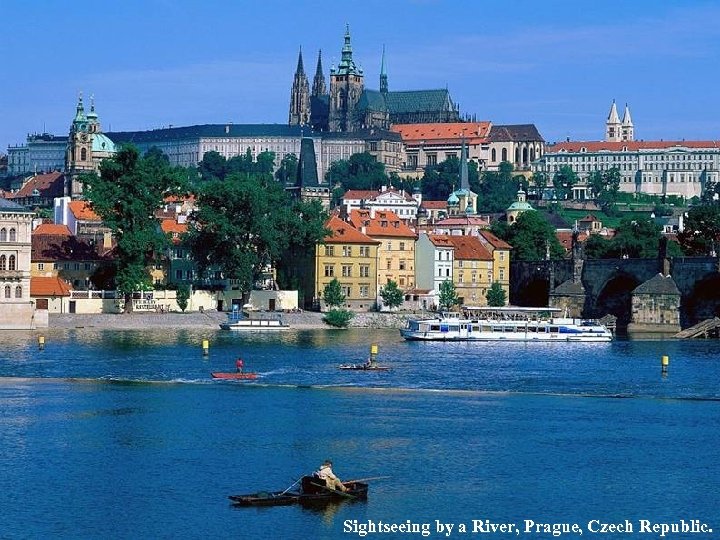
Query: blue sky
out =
(557, 64)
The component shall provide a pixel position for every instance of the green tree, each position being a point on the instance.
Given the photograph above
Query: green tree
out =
(212, 166)
(498, 190)
(563, 182)
(496, 295)
(531, 237)
(392, 295)
(126, 195)
(440, 180)
(183, 295)
(597, 247)
(339, 318)
(287, 171)
(333, 295)
(245, 223)
(702, 230)
(636, 239)
(361, 171)
(448, 296)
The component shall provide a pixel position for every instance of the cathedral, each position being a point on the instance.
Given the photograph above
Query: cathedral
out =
(348, 106)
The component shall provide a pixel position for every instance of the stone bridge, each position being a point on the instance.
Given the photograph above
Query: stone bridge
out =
(604, 286)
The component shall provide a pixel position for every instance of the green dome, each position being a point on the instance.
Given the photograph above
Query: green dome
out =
(520, 206)
(101, 143)
(452, 199)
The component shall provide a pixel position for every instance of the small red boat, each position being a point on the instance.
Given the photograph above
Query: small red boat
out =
(234, 375)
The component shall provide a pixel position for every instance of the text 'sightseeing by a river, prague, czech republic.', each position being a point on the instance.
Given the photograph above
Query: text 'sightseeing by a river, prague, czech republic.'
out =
(122, 434)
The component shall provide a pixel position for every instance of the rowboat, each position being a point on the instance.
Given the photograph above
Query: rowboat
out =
(312, 491)
(234, 375)
(364, 367)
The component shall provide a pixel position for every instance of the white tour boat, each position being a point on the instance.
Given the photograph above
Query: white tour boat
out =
(240, 321)
(505, 323)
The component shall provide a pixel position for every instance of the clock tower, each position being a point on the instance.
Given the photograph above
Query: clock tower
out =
(79, 158)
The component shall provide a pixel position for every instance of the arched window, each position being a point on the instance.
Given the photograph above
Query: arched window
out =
(504, 154)
(525, 155)
(3, 235)
(13, 235)
(18, 292)
(517, 155)
(3, 262)
(83, 154)
(11, 263)
(493, 155)
(7, 291)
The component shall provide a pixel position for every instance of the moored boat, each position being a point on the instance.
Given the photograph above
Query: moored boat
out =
(505, 323)
(237, 320)
(312, 491)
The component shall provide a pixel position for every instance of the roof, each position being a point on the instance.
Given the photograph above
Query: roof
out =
(170, 226)
(625, 146)
(470, 248)
(570, 287)
(101, 143)
(369, 194)
(494, 241)
(441, 240)
(207, 131)
(556, 220)
(589, 217)
(82, 211)
(47, 185)
(386, 223)
(515, 133)
(410, 101)
(49, 286)
(10, 206)
(345, 233)
(50, 248)
(658, 284)
(565, 238)
(434, 205)
(52, 229)
(473, 132)
(466, 220)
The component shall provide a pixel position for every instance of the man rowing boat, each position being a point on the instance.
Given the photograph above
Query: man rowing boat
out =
(326, 473)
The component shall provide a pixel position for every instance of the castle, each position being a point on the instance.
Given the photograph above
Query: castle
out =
(348, 106)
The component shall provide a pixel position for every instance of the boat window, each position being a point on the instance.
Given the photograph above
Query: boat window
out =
(434, 328)
(497, 328)
(553, 329)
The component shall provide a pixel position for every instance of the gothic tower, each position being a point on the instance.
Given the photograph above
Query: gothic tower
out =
(628, 130)
(346, 85)
(318, 87)
(299, 96)
(613, 125)
(383, 74)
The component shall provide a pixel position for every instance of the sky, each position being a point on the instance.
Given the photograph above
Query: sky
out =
(557, 64)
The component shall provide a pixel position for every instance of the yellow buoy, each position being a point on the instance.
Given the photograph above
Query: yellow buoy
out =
(205, 346)
(41, 342)
(665, 362)
(374, 348)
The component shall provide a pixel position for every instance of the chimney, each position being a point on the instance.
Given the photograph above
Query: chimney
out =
(372, 212)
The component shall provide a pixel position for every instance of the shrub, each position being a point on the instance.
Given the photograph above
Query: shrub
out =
(339, 318)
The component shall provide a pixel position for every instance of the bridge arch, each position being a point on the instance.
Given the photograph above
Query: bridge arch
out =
(615, 298)
(703, 302)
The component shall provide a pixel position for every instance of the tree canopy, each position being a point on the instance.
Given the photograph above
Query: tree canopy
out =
(701, 234)
(497, 190)
(126, 194)
(361, 171)
(392, 296)
(440, 180)
(448, 296)
(531, 237)
(633, 239)
(333, 295)
(496, 295)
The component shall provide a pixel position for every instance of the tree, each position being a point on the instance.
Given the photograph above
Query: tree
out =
(126, 195)
(531, 237)
(563, 182)
(212, 166)
(440, 180)
(701, 233)
(183, 295)
(333, 295)
(495, 295)
(448, 296)
(245, 223)
(361, 171)
(392, 295)
(497, 190)
(287, 171)
(636, 239)
(605, 186)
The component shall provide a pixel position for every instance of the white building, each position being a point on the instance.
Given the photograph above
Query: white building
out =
(40, 153)
(434, 257)
(399, 202)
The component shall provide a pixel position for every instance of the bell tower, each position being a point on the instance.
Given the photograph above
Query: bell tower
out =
(346, 86)
(79, 158)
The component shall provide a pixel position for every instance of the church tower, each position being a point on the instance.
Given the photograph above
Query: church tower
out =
(613, 132)
(383, 74)
(628, 131)
(346, 86)
(79, 158)
(318, 87)
(299, 96)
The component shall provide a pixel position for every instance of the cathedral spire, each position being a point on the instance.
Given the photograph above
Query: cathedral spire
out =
(628, 130)
(613, 117)
(383, 74)
(612, 125)
(318, 88)
(347, 64)
(627, 121)
(299, 96)
(300, 67)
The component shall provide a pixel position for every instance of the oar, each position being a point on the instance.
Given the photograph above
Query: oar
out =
(291, 486)
(366, 479)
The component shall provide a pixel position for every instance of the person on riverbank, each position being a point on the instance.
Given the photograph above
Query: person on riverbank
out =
(239, 365)
(326, 473)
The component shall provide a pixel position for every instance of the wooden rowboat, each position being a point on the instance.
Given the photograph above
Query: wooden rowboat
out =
(234, 375)
(313, 491)
(263, 498)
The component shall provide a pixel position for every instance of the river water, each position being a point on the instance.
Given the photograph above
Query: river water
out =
(122, 434)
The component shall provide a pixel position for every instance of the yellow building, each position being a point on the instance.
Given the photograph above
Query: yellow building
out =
(396, 251)
(472, 270)
(500, 251)
(349, 256)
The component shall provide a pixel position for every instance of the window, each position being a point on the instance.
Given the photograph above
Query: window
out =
(41, 266)
(461, 277)
(364, 270)
(402, 246)
(389, 265)
(502, 256)
(76, 266)
(502, 274)
(402, 264)
(401, 282)
(493, 155)
(346, 270)
(431, 159)
(3, 262)
(7, 291)
(346, 289)
(447, 272)
(364, 251)
(329, 251)
(11, 263)
(473, 277)
(178, 274)
(347, 251)
(329, 270)
(13, 235)
(389, 244)
(364, 290)
(460, 264)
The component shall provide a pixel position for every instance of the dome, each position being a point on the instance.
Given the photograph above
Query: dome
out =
(101, 143)
(452, 199)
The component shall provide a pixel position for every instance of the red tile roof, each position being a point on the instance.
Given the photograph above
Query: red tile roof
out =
(441, 240)
(385, 223)
(434, 205)
(171, 226)
(344, 233)
(470, 248)
(49, 286)
(473, 132)
(52, 229)
(48, 185)
(494, 241)
(82, 211)
(565, 238)
(631, 146)
(475, 221)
